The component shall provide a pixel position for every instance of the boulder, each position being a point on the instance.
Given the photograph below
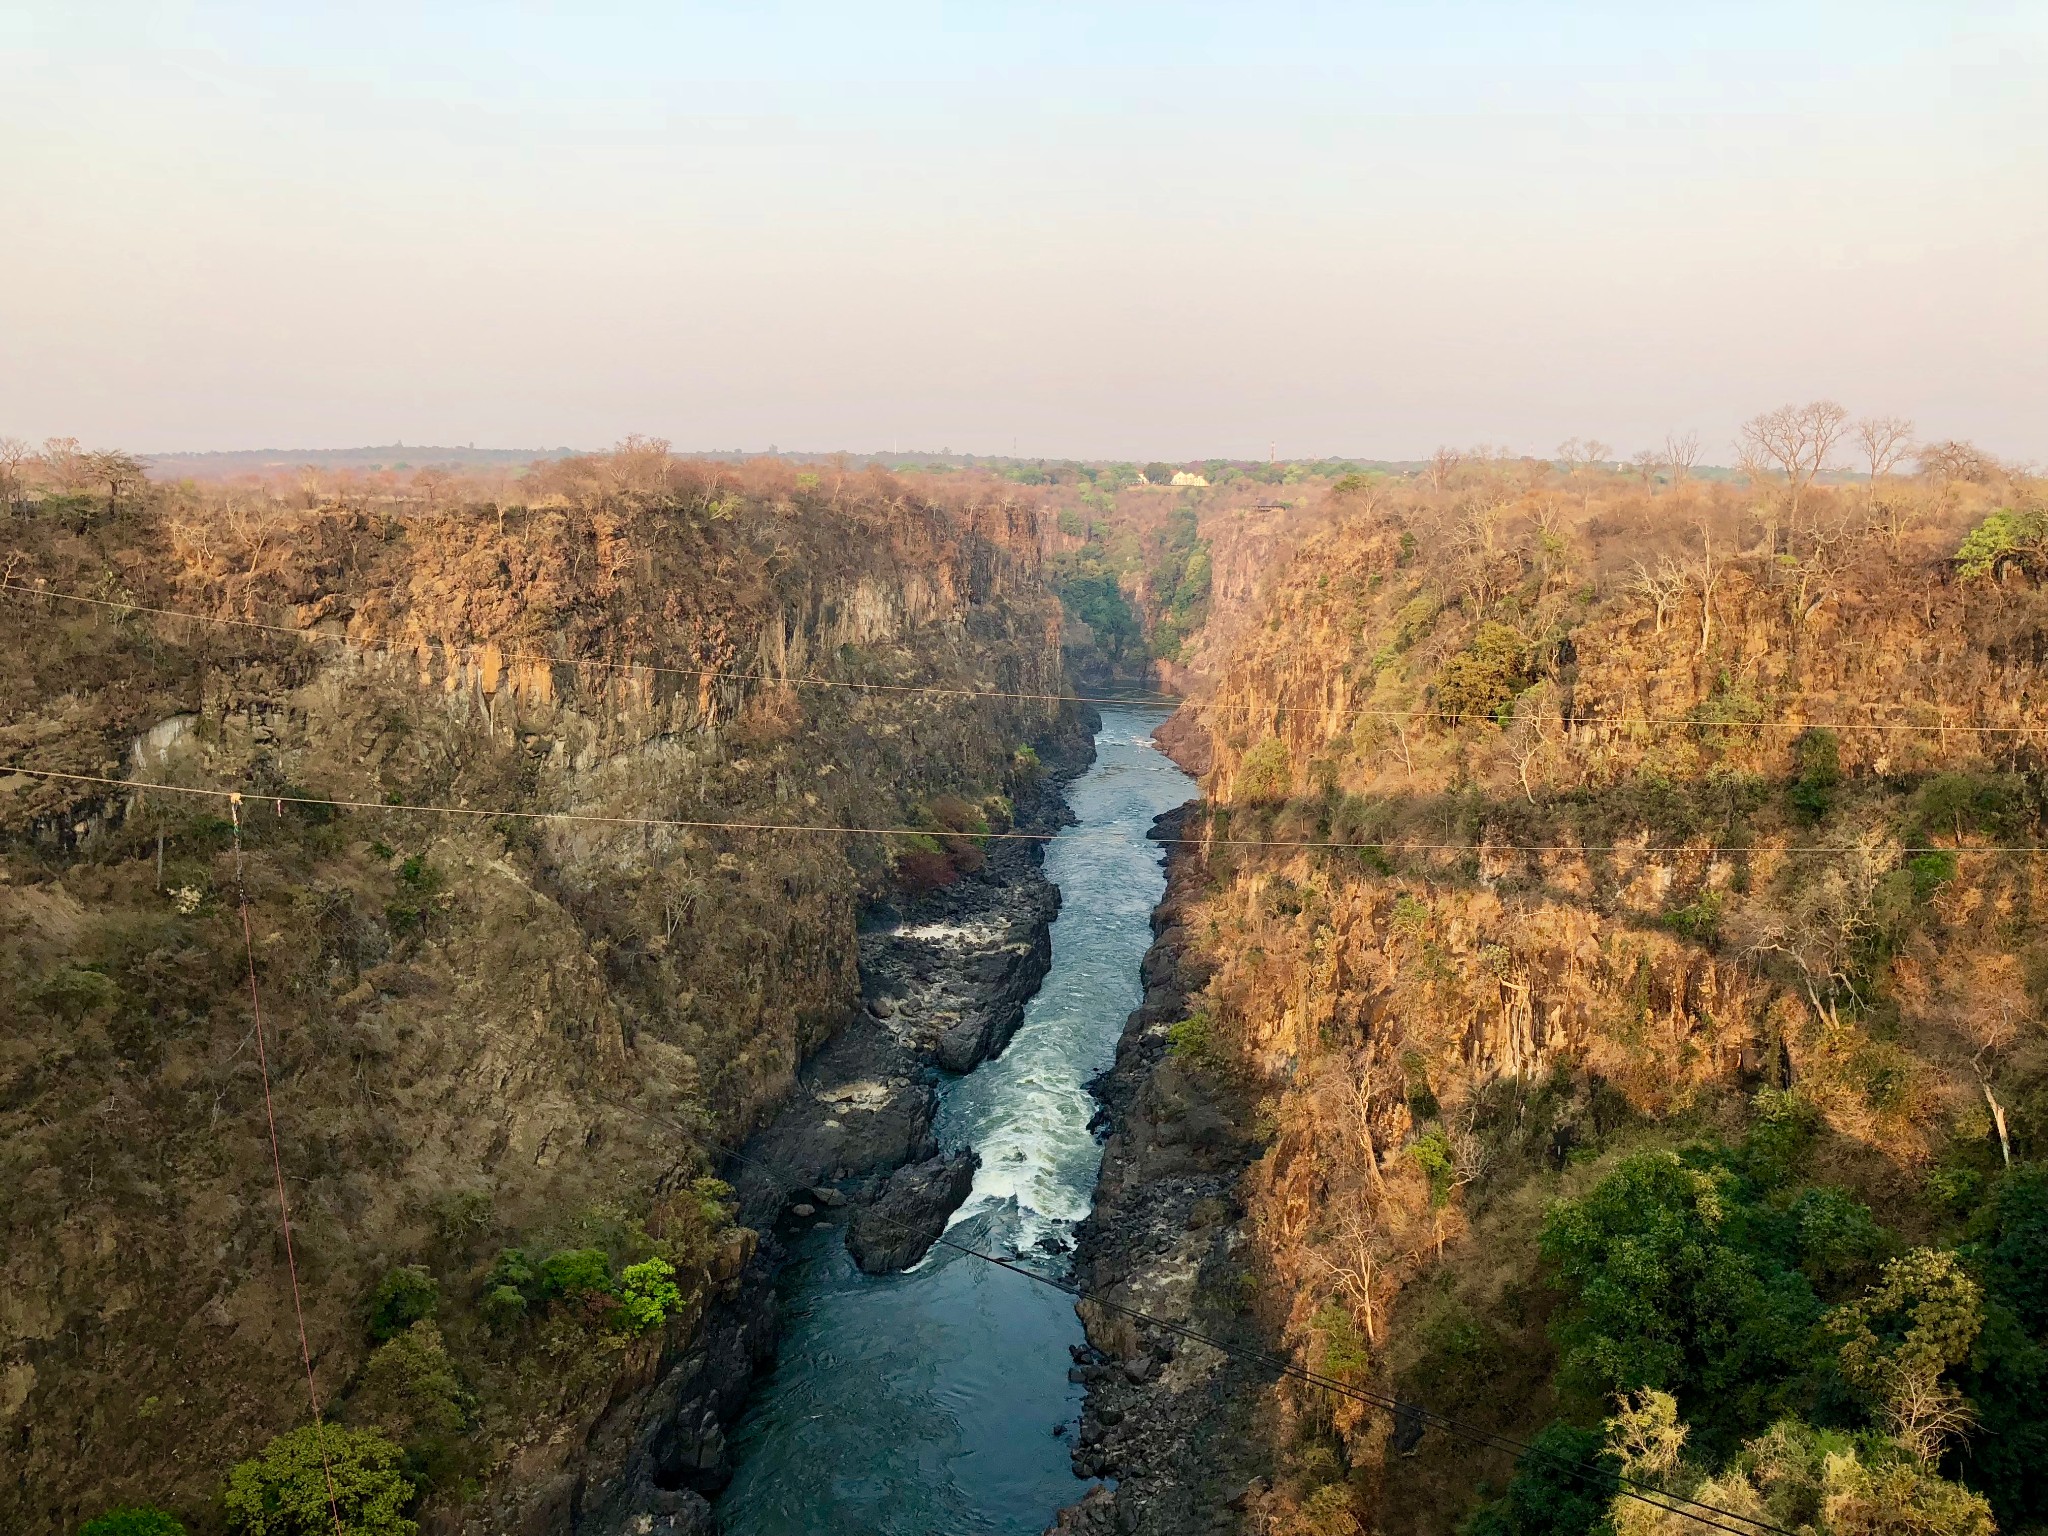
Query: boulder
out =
(907, 1217)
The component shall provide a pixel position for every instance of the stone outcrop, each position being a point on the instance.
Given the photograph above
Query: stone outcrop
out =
(899, 1228)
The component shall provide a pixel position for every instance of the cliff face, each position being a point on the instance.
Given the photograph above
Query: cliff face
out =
(1633, 810)
(485, 1031)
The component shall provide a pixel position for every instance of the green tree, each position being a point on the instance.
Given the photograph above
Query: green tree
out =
(2006, 535)
(137, 1520)
(1562, 1486)
(286, 1490)
(1267, 773)
(1482, 680)
(1899, 1340)
(648, 1296)
(573, 1272)
(404, 1296)
(409, 1386)
(1670, 1290)
(1817, 769)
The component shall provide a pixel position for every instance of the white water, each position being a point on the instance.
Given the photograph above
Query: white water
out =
(924, 1402)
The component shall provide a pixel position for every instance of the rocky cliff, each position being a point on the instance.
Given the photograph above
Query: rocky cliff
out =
(1539, 836)
(517, 1026)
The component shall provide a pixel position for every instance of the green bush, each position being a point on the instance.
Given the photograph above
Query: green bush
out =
(1481, 681)
(285, 1491)
(405, 1296)
(1267, 773)
(575, 1272)
(1817, 769)
(409, 1386)
(137, 1520)
(1563, 1485)
(648, 1296)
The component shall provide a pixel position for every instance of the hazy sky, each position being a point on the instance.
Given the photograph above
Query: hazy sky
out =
(1091, 229)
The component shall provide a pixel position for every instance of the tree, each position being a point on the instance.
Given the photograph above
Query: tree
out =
(648, 1295)
(1563, 1485)
(310, 1478)
(119, 472)
(1443, 464)
(1578, 456)
(1681, 454)
(1646, 464)
(1885, 440)
(137, 1520)
(60, 458)
(404, 1296)
(1951, 461)
(1668, 1292)
(14, 454)
(1900, 1339)
(1797, 439)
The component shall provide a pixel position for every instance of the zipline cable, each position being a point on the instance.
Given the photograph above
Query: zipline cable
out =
(682, 824)
(1622, 721)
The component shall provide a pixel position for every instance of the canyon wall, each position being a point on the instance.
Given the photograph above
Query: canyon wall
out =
(1544, 831)
(523, 1023)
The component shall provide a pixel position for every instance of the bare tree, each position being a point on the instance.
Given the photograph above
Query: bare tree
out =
(431, 482)
(1443, 464)
(14, 453)
(1885, 440)
(1646, 464)
(1680, 455)
(1662, 586)
(1951, 461)
(60, 458)
(1578, 456)
(1798, 440)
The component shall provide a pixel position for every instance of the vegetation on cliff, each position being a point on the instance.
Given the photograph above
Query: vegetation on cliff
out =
(1647, 1047)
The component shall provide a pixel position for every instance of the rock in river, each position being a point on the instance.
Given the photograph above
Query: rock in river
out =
(907, 1218)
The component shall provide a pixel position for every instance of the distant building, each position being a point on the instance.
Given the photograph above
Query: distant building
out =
(1184, 477)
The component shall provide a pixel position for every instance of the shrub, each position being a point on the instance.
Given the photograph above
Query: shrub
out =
(1563, 1485)
(284, 1491)
(1191, 1040)
(1267, 773)
(138, 1520)
(1481, 681)
(405, 1296)
(574, 1272)
(1817, 769)
(409, 1386)
(1432, 1154)
(922, 871)
(1344, 1354)
(648, 1296)
(502, 1307)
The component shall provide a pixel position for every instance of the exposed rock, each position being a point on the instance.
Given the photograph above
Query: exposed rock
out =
(900, 1227)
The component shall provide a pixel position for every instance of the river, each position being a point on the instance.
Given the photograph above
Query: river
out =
(925, 1402)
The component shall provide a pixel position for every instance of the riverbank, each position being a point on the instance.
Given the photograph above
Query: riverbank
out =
(1174, 1422)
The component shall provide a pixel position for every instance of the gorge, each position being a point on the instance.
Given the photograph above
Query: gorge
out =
(680, 892)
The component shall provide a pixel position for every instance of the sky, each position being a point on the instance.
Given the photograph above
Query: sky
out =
(1064, 230)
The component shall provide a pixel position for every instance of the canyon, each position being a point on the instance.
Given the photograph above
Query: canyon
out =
(1568, 859)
